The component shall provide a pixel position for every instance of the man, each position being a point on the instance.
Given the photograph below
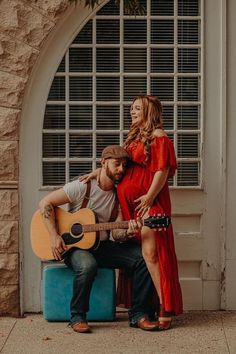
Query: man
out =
(110, 254)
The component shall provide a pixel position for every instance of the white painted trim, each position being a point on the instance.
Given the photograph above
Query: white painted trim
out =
(223, 151)
(202, 93)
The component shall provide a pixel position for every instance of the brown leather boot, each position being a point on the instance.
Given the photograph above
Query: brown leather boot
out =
(81, 327)
(147, 325)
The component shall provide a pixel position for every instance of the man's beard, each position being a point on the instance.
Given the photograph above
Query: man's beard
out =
(115, 177)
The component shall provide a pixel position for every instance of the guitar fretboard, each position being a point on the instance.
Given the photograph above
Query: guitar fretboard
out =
(106, 226)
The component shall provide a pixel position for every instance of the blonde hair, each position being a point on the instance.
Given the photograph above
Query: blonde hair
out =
(151, 111)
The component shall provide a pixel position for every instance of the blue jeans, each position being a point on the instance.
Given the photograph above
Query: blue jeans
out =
(109, 255)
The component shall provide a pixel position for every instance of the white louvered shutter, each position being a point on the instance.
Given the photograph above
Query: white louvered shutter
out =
(112, 59)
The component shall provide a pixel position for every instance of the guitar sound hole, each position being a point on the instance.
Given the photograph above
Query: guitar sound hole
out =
(76, 229)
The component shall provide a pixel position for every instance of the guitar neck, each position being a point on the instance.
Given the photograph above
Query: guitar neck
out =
(106, 226)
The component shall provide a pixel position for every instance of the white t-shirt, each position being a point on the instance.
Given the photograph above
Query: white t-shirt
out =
(100, 201)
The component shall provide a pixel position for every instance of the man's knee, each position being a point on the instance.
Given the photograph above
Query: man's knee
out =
(84, 263)
(88, 269)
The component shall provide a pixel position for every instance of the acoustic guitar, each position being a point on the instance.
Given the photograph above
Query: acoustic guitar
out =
(79, 230)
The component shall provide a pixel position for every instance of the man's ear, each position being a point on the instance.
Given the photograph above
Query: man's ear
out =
(103, 161)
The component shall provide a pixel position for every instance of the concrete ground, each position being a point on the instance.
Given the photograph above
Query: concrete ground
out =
(193, 332)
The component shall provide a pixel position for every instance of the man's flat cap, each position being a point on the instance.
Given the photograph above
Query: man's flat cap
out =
(115, 152)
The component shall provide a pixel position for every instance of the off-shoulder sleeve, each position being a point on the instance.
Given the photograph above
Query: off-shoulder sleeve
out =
(163, 155)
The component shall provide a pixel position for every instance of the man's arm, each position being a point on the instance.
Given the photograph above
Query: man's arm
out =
(46, 206)
(121, 235)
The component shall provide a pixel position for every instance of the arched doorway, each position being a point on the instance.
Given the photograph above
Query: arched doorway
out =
(173, 63)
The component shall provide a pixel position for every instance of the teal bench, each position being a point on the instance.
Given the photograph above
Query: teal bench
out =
(57, 292)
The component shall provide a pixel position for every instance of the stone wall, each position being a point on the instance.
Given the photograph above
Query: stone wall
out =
(24, 27)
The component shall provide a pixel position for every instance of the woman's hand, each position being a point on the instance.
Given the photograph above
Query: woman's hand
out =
(145, 203)
(91, 175)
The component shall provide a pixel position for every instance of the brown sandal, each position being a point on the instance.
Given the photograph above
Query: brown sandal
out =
(164, 320)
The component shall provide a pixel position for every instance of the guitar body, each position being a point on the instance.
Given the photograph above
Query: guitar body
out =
(79, 230)
(40, 239)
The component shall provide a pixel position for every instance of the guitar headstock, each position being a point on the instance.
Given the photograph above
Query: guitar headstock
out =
(160, 222)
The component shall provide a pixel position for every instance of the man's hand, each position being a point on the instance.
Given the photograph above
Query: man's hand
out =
(135, 227)
(122, 235)
(58, 246)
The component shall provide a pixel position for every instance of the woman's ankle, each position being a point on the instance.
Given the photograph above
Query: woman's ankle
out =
(163, 314)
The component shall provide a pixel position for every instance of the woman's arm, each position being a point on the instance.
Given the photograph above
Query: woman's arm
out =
(91, 175)
(146, 200)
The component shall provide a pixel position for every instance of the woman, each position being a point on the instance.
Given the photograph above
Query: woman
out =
(144, 191)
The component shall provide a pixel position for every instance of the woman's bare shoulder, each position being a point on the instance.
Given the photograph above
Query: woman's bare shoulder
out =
(159, 133)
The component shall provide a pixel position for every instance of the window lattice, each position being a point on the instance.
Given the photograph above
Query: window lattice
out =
(111, 60)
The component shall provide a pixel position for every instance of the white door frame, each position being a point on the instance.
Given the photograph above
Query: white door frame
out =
(30, 147)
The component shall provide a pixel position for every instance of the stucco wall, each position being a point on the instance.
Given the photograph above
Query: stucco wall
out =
(24, 27)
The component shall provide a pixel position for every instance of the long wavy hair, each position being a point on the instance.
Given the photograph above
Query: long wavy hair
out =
(151, 113)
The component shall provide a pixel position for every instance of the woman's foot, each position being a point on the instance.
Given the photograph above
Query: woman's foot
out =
(164, 320)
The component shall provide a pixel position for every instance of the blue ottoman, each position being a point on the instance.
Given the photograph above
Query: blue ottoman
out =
(57, 292)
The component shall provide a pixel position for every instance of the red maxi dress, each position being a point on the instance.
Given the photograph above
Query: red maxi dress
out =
(136, 183)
